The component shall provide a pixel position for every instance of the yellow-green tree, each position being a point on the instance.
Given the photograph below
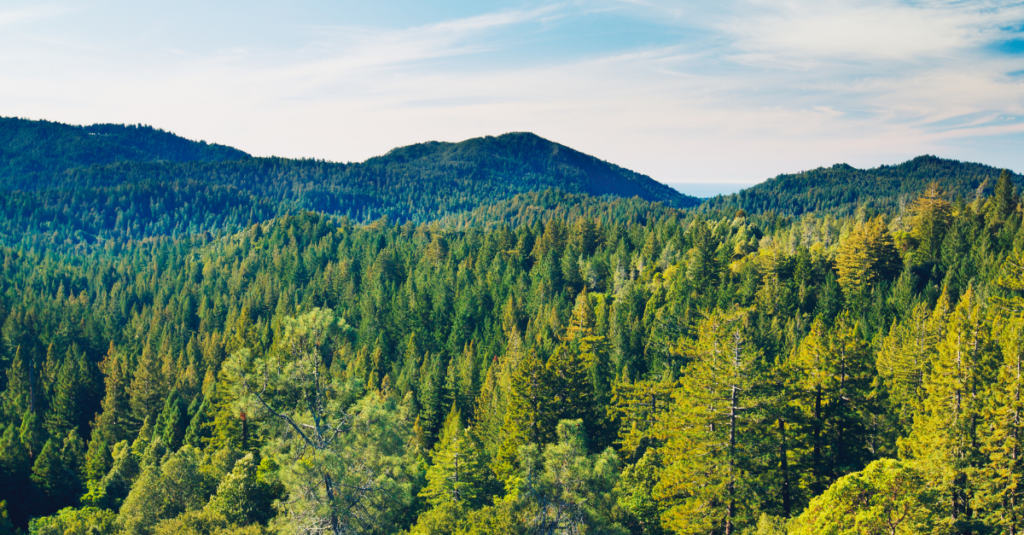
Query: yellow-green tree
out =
(711, 433)
(869, 255)
(945, 437)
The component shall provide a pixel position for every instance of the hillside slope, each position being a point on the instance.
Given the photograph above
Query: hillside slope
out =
(28, 148)
(145, 182)
(841, 189)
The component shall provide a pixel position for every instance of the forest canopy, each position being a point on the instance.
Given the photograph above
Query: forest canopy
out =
(548, 361)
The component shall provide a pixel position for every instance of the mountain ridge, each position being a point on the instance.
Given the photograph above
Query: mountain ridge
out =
(842, 189)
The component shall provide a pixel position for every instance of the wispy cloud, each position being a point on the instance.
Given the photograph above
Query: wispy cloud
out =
(737, 91)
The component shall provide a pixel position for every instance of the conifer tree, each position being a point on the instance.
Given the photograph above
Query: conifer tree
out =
(945, 438)
(67, 399)
(492, 401)
(17, 398)
(33, 434)
(112, 425)
(931, 215)
(148, 388)
(831, 377)
(710, 433)
(1005, 197)
(1001, 477)
(457, 470)
(15, 473)
(905, 357)
(53, 478)
(868, 256)
(528, 416)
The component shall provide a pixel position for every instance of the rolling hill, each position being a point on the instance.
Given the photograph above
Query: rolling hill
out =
(841, 189)
(78, 184)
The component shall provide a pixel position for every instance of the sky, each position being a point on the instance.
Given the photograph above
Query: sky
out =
(728, 92)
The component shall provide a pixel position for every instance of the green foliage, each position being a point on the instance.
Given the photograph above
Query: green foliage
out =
(842, 189)
(716, 351)
(70, 521)
(888, 497)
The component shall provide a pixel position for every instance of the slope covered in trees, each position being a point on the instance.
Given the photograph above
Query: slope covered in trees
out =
(31, 148)
(842, 189)
(88, 192)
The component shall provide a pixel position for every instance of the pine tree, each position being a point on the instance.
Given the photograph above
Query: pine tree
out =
(457, 471)
(148, 389)
(1001, 478)
(831, 376)
(945, 435)
(710, 433)
(868, 256)
(528, 417)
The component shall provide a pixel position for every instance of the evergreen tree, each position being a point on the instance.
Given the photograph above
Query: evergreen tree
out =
(945, 437)
(457, 470)
(148, 388)
(15, 473)
(1005, 197)
(1001, 479)
(831, 377)
(868, 256)
(711, 448)
(528, 417)
(931, 215)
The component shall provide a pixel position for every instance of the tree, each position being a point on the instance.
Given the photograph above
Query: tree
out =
(889, 497)
(945, 438)
(166, 490)
(528, 417)
(457, 472)
(931, 215)
(1001, 478)
(1005, 197)
(15, 473)
(905, 357)
(148, 389)
(868, 256)
(569, 490)
(831, 377)
(710, 433)
(245, 496)
(346, 470)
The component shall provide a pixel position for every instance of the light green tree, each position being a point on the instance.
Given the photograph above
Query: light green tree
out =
(345, 469)
(889, 497)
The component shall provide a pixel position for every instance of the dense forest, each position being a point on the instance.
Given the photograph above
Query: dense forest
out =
(71, 187)
(541, 360)
(843, 189)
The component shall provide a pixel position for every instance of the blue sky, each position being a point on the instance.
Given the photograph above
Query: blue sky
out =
(685, 91)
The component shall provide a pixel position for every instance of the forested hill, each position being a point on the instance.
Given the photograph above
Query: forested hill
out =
(28, 148)
(532, 161)
(842, 189)
(84, 185)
